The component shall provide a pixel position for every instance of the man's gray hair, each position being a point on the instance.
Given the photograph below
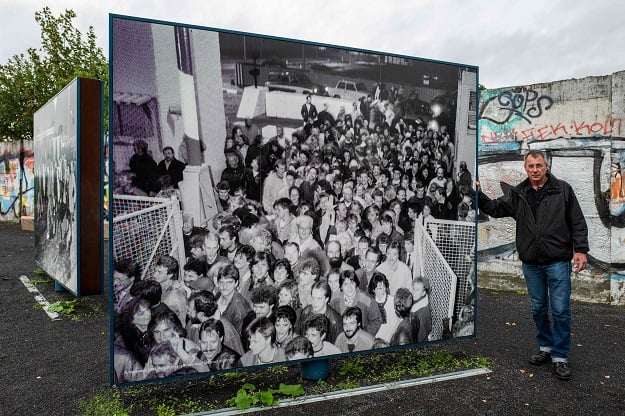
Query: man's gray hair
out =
(536, 153)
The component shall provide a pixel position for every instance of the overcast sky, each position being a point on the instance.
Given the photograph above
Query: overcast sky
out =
(512, 42)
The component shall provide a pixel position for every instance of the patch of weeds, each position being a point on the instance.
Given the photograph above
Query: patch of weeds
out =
(105, 403)
(76, 309)
(247, 396)
(41, 280)
(349, 384)
(322, 386)
(235, 377)
(39, 272)
(278, 370)
(172, 406)
(521, 292)
(63, 307)
(352, 368)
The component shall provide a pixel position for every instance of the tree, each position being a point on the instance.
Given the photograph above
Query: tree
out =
(28, 81)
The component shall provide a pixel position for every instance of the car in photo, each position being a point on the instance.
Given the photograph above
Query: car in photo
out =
(295, 82)
(349, 90)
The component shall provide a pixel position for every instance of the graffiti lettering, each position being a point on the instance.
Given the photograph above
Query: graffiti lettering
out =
(576, 129)
(528, 105)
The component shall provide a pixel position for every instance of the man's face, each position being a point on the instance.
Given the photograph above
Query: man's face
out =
(347, 194)
(121, 281)
(319, 300)
(418, 290)
(333, 251)
(262, 309)
(225, 241)
(280, 170)
(378, 200)
(338, 187)
(387, 227)
(362, 249)
(291, 254)
(169, 155)
(258, 243)
(350, 326)
(392, 256)
(312, 175)
(333, 282)
(401, 195)
(349, 287)
(210, 343)
(315, 338)
(227, 286)
(536, 169)
(440, 173)
(304, 231)
(223, 194)
(161, 274)
(163, 332)
(211, 248)
(371, 261)
(364, 179)
(190, 276)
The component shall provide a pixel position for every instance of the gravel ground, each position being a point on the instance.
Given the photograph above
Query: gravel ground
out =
(47, 366)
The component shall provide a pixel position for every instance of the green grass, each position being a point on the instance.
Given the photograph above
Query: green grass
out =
(244, 389)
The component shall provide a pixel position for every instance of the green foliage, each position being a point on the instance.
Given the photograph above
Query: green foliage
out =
(105, 403)
(28, 81)
(352, 368)
(247, 396)
(165, 410)
(39, 272)
(63, 307)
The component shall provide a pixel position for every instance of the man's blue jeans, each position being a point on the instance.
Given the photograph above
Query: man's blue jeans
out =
(551, 284)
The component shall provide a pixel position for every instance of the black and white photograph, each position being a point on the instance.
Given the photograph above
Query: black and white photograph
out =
(56, 172)
(277, 200)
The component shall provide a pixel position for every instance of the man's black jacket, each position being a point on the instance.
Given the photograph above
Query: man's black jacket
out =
(555, 233)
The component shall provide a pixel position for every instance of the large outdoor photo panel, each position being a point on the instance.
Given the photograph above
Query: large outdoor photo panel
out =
(277, 200)
(68, 191)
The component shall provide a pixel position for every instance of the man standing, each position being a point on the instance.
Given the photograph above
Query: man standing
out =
(550, 231)
(309, 111)
(171, 166)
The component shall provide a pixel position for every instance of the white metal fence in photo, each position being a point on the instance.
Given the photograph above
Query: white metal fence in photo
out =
(145, 228)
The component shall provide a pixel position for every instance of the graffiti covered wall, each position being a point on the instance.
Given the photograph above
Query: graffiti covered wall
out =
(580, 124)
(11, 174)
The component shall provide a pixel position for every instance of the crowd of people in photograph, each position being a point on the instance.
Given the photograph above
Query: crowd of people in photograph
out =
(311, 255)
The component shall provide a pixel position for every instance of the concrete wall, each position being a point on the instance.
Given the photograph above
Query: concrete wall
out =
(579, 123)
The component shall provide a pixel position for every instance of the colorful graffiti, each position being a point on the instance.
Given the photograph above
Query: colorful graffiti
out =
(11, 176)
(526, 105)
(584, 140)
